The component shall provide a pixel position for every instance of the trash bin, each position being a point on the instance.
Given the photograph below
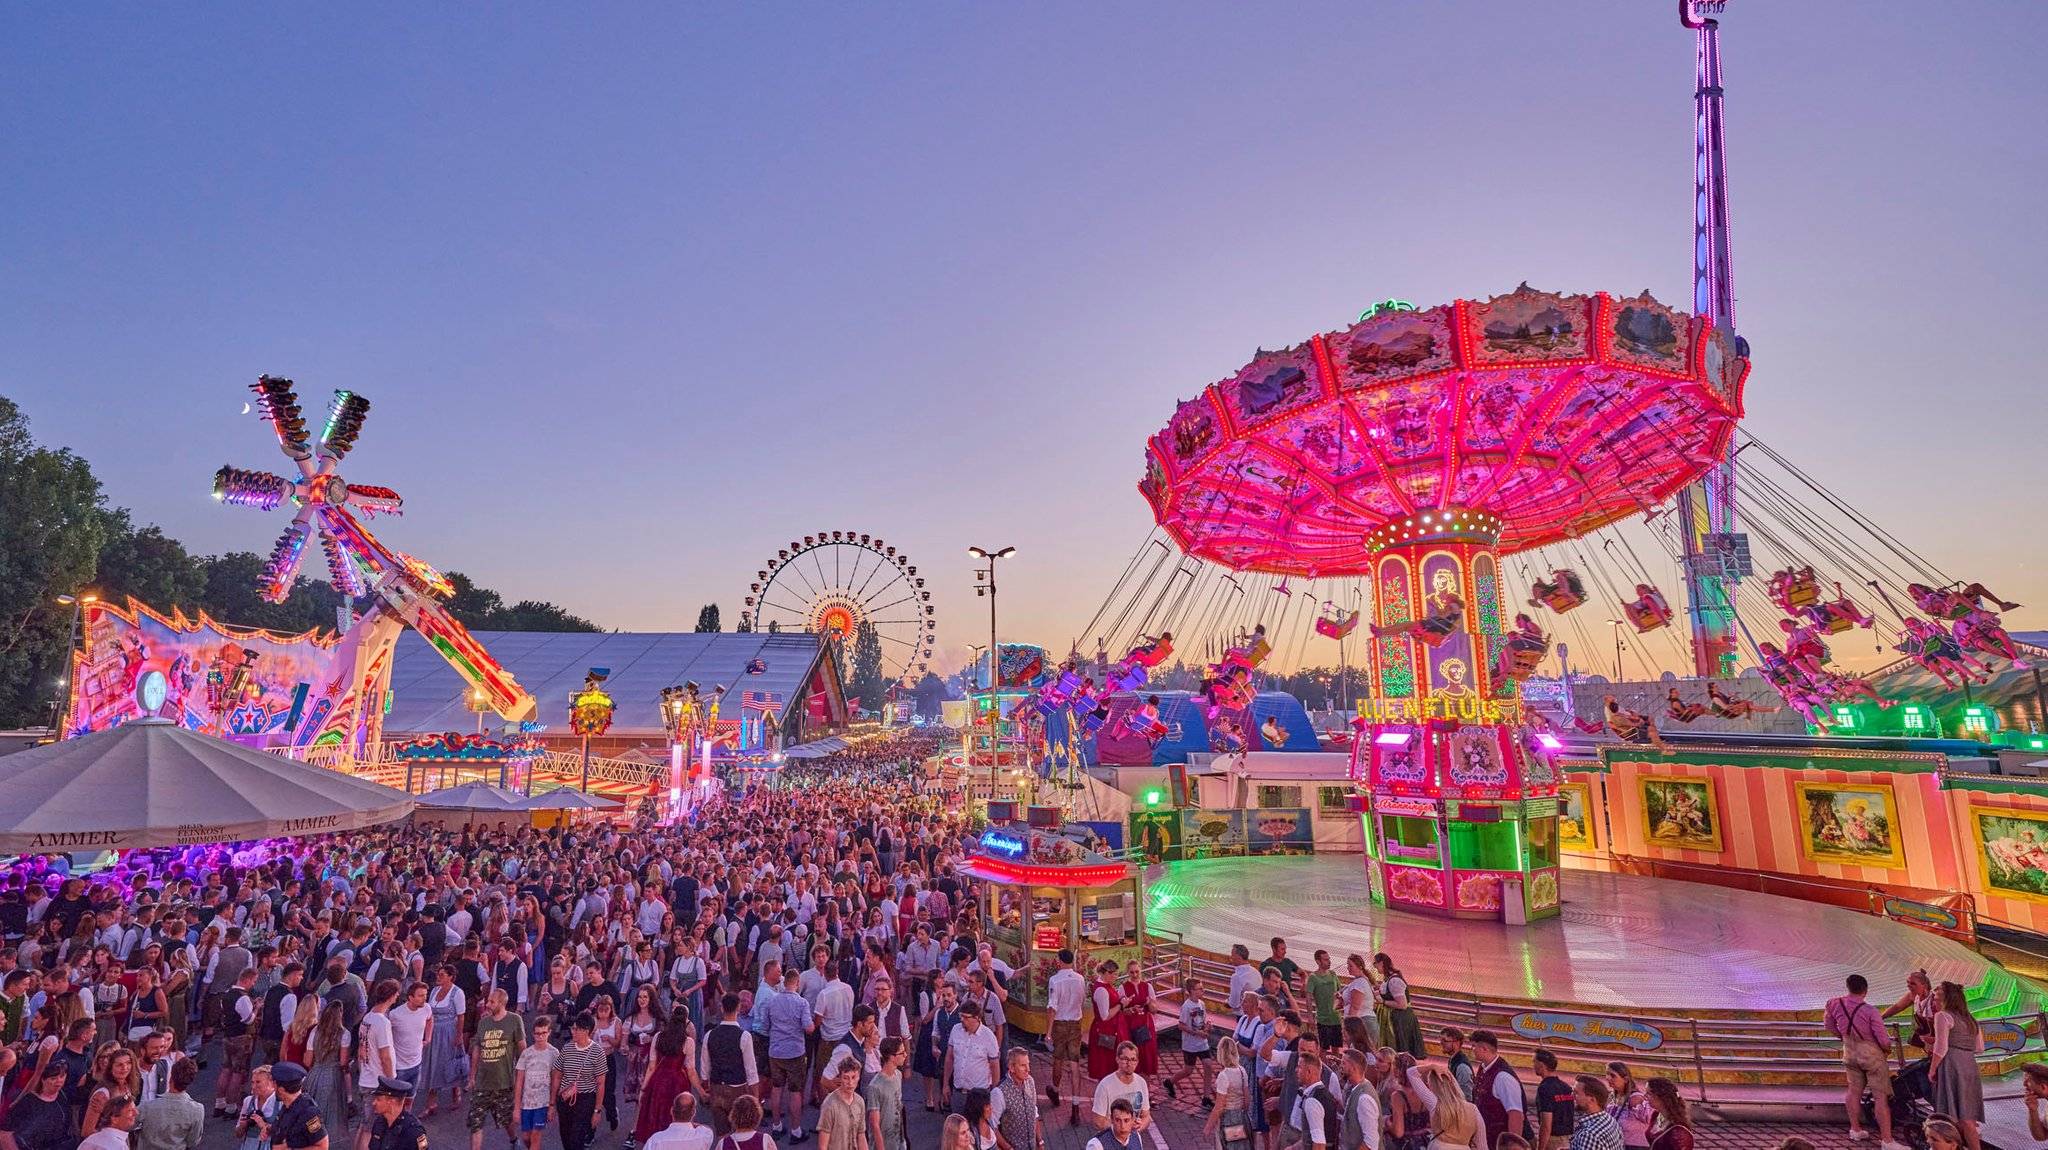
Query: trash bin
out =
(1514, 909)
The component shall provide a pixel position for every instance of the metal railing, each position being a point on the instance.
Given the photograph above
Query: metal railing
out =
(381, 764)
(1715, 1056)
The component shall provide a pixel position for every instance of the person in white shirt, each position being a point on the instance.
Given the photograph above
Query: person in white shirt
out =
(684, 1133)
(832, 1007)
(650, 912)
(1361, 1099)
(1123, 1084)
(1066, 996)
(971, 1057)
(412, 1027)
(460, 920)
(377, 1058)
(1311, 1103)
(1243, 977)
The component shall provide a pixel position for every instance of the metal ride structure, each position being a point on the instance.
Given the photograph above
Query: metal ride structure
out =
(1714, 555)
(1415, 449)
(407, 592)
(832, 583)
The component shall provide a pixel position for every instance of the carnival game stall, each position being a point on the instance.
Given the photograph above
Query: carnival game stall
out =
(1046, 890)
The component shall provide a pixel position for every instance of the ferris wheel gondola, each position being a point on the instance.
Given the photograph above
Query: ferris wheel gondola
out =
(833, 583)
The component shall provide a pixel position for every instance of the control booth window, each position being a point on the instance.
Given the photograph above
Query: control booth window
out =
(1279, 796)
(1333, 800)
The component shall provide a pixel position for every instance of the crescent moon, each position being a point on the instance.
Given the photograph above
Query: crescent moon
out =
(245, 409)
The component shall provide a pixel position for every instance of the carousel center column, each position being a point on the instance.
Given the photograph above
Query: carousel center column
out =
(1460, 818)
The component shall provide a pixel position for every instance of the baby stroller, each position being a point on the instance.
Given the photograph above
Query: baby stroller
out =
(1912, 1105)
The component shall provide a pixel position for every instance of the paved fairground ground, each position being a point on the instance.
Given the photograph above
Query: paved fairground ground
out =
(1177, 1125)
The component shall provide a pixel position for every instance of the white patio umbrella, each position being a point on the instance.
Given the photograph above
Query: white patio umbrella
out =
(565, 799)
(472, 797)
(152, 783)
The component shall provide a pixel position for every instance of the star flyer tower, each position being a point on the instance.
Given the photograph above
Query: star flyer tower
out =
(1415, 449)
(1716, 556)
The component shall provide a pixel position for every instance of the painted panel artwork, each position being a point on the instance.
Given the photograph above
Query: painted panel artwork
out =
(1851, 823)
(1157, 835)
(264, 688)
(1680, 813)
(2012, 847)
(1208, 834)
(1574, 832)
(1280, 831)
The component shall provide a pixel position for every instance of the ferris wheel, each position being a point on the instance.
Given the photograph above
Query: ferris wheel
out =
(833, 582)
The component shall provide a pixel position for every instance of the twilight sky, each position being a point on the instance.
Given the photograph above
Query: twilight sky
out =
(639, 292)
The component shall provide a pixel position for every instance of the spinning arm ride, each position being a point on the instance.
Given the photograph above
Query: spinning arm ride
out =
(407, 592)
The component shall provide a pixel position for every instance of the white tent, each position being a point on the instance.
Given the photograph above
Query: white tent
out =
(567, 799)
(817, 749)
(152, 783)
(472, 797)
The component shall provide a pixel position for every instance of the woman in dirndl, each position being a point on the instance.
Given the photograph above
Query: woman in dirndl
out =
(1109, 1028)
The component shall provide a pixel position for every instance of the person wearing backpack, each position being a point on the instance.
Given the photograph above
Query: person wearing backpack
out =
(1317, 1117)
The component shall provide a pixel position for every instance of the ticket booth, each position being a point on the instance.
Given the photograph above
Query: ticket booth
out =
(1046, 892)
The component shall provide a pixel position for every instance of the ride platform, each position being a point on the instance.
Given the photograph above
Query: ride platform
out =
(1719, 990)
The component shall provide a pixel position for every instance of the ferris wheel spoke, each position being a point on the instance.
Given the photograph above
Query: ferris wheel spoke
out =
(819, 564)
(799, 612)
(810, 591)
(880, 607)
(879, 565)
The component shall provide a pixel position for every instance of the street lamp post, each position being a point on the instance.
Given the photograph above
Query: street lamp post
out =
(77, 604)
(994, 660)
(1616, 624)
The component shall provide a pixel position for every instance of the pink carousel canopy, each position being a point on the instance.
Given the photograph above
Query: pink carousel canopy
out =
(1555, 414)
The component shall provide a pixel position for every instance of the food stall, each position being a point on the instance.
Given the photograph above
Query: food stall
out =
(1046, 890)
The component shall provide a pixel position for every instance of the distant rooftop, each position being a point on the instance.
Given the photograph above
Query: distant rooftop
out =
(427, 694)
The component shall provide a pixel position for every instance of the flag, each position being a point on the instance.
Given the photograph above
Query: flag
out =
(759, 700)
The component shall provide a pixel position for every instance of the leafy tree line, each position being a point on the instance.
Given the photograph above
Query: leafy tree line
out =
(58, 536)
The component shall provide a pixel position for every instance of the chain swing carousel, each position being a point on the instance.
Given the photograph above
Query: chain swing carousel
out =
(1412, 451)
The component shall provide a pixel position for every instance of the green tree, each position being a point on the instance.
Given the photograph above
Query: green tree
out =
(231, 597)
(864, 680)
(472, 606)
(482, 609)
(930, 692)
(533, 615)
(145, 564)
(707, 619)
(52, 526)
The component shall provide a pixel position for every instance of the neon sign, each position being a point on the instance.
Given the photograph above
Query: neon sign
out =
(1008, 846)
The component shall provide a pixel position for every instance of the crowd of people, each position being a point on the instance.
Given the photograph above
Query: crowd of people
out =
(759, 973)
(786, 962)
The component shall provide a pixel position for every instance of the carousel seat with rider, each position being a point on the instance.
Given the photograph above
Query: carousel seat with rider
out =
(1125, 677)
(1836, 615)
(1251, 651)
(1145, 722)
(1795, 589)
(1982, 631)
(1335, 622)
(1933, 647)
(1432, 629)
(1565, 592)
(1525, 649)
(1729, 706)
(1803, 647)
(1149, 652)
(1681, 710)
(1649, 610)
(1952, 605)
